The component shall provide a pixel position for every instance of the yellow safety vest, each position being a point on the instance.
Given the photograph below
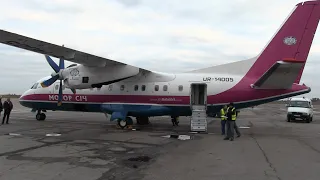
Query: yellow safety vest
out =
(234, 115)
(222, 113)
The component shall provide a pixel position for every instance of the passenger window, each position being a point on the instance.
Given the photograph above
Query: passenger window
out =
(136, 87)
(110, 87)
(143, 88)
(85, 79)
(57, 87)
(122, 87)
(180, 88)
(156, 87)
(165, 88)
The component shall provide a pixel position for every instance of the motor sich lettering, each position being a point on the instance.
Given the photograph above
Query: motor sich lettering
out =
(81, 98)
(221, 79)
(77, 98)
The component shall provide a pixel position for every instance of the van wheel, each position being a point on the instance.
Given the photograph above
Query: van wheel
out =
(288, 118)
(308, 119)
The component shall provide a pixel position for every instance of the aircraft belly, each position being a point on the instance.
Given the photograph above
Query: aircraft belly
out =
(135, 109)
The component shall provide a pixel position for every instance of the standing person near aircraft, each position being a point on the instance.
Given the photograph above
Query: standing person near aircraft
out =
(232, 116)
(7, 105)
(175, 121)
(1, 108)
(223, 119)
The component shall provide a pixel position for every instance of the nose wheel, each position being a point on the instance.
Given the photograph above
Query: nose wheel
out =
(41, 116)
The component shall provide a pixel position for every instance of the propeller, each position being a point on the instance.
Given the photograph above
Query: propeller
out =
(56, 75)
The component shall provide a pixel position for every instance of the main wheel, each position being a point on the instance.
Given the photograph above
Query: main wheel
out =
(308, 119)
(122, 123)
(43, 116)
(143, 120)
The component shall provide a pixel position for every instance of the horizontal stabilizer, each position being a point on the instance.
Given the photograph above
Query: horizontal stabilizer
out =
(280, 76)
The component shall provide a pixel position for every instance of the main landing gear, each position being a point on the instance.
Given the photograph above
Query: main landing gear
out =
(123, 123)
(40, 116)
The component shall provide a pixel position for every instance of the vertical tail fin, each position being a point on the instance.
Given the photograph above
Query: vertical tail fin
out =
(292, 41)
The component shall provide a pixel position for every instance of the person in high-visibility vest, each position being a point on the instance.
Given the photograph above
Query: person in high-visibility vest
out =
(232, 116)
(223, 117)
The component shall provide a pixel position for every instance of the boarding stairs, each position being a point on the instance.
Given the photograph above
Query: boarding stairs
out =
(198, 120)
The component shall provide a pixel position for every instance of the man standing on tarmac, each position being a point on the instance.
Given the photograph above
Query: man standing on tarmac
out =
(223, 117)
(232, 116)
(7, 106)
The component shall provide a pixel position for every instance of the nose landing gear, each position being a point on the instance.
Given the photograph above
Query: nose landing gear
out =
(40, 116)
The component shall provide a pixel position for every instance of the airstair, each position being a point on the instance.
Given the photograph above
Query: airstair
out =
(198, 121)
(198, 105)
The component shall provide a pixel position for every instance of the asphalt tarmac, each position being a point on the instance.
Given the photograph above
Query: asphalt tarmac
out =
(87, 146)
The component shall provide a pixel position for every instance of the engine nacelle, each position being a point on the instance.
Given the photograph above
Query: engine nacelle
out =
(84, 77)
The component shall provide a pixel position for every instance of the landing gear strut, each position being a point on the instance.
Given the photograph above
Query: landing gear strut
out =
(40, 116)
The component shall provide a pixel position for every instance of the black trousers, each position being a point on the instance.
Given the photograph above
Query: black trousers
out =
(6, 115)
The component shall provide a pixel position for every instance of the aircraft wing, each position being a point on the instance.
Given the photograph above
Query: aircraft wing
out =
(280, 76)
(46, 48)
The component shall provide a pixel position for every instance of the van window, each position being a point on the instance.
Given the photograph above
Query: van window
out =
(303, 104)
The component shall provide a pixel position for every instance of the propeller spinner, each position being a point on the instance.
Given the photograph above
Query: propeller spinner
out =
(57, 75)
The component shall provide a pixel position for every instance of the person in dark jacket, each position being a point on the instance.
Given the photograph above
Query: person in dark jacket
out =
(1, 108)
(7, 106)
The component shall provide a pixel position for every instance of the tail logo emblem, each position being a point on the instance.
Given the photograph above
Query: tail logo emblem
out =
(290, 40)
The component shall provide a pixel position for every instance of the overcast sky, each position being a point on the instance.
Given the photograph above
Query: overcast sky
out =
(168, 36)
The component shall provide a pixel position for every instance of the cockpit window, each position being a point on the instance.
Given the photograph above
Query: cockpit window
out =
(34, 86)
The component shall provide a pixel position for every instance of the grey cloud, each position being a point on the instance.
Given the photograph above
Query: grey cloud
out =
(129, 3)
(52, 7)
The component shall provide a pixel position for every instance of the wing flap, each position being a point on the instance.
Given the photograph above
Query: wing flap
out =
(280, 76)
(46, 48)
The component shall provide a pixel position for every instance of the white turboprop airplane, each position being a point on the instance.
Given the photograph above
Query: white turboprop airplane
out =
(126, 91)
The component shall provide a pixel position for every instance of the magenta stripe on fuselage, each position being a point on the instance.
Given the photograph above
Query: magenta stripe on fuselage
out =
(239, 94)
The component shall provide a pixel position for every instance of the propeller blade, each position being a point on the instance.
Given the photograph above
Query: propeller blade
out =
(61, 64)
(60, 94)
(50, 81)
(73, 90)
(54, 66)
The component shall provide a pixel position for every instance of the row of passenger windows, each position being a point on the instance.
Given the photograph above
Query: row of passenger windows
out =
(143, 87)
(136, 87)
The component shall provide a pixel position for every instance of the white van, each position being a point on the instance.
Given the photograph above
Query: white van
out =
(300, 108)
